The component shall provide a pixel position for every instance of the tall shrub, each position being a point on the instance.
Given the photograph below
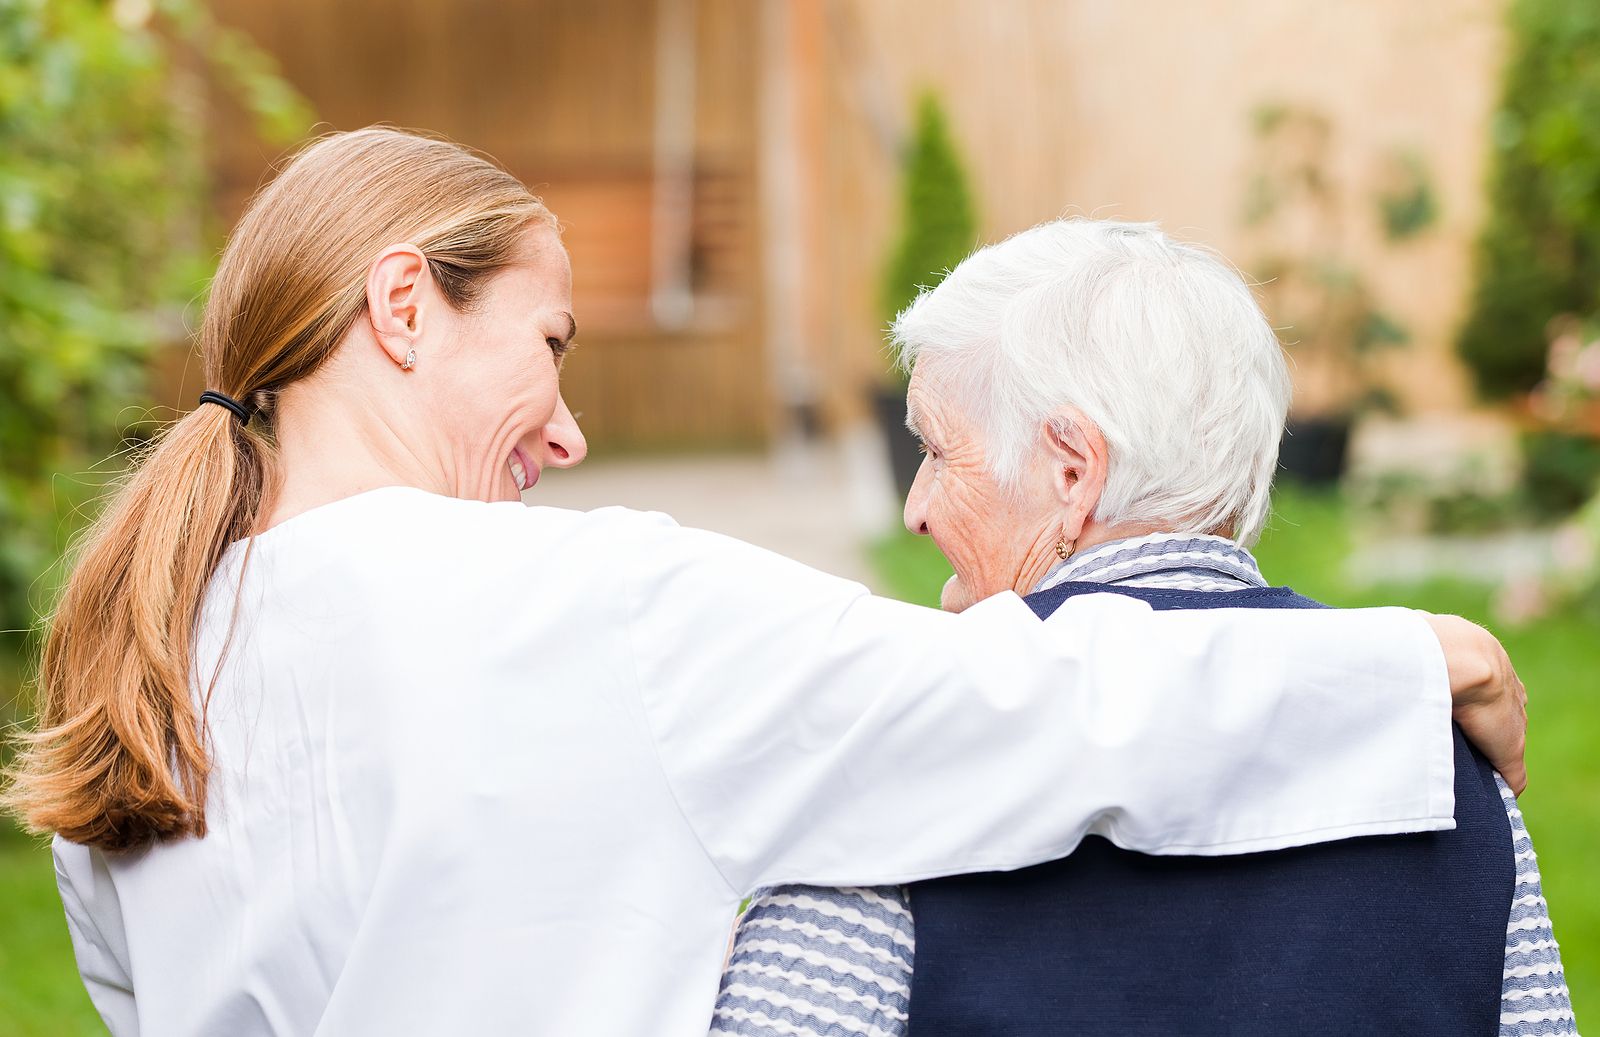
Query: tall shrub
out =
(937, 222)
(1539, 252)
(103, 242)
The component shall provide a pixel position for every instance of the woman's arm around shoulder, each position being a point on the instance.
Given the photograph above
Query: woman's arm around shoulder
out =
(812, 732)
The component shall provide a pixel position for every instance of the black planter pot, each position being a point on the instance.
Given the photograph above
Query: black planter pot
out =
(889, 404)
(1313, 450)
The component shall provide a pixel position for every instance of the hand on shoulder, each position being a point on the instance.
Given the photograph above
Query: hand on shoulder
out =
(1489, 701)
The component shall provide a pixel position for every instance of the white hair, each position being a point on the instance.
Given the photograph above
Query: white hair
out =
(1161, 344)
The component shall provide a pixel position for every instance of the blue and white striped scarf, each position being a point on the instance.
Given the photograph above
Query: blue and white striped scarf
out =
(1189, 561)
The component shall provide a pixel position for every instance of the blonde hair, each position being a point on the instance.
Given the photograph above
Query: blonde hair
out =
(118, 756)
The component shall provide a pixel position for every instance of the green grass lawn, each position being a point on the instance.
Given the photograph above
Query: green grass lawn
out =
(40, 995)
(1557, 657)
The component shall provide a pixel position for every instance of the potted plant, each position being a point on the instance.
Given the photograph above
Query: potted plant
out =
(937, 230)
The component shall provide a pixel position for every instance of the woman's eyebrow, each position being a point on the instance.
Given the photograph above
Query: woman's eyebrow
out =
(913, 418)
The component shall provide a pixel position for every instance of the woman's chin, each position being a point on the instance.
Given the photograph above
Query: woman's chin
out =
(955, 597)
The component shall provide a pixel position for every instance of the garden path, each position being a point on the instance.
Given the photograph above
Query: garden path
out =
(821, 504)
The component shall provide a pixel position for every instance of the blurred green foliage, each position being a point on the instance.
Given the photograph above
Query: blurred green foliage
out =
(1539, 252)
(105, 238)
(938, 224)
(1408, 205)
(1561, 471)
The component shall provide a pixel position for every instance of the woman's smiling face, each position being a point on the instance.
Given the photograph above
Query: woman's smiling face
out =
(993, 539)
(496, 372)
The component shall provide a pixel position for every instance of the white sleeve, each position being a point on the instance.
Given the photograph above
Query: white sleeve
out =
(812, 732)
(102, 950)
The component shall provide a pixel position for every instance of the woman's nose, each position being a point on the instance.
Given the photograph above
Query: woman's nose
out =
(916, 511)
(564, 445)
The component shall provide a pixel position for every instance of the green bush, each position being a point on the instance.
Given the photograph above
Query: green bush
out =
(104, 240)
(1562, 472)
(937, 222)
(1539, 253)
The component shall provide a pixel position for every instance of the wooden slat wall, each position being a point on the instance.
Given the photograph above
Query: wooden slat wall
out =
(562, 95)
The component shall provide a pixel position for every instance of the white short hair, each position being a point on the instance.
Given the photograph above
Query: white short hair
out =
(1161, 344)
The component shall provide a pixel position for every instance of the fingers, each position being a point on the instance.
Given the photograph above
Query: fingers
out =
(1518, 778)
(1490, 700)
(1515, 772)
(1513, 764)
(1514, 769)
(1499, 732)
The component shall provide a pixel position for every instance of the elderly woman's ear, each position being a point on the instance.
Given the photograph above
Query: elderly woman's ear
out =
(1076, 454)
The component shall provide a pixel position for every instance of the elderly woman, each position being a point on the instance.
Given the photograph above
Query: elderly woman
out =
(1100, 408)
(338, 737)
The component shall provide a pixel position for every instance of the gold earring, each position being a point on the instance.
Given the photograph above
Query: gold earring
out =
(1063, 549)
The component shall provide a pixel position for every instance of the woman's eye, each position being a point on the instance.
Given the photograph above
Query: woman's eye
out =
(560, 348)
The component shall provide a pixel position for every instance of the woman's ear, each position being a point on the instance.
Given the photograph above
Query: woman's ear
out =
(398, 286)
(1076, 453)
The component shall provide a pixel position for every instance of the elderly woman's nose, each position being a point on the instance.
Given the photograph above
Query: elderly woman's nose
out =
(564, 445)
(916, 510)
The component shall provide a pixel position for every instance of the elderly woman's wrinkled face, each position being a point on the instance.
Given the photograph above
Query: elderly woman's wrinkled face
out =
(994, 540)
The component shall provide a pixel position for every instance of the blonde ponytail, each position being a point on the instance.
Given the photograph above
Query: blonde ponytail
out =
(118, 758)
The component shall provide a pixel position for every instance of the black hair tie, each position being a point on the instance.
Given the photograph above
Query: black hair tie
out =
(240, 411)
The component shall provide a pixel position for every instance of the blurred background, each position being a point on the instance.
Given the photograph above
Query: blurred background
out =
(749, 190)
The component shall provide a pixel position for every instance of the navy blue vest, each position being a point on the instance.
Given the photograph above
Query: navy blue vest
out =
(1382, 935)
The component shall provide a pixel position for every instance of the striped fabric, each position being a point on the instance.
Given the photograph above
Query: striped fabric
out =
(810, 961)
(1533, 988)
(1190, 562)
(819, 961)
